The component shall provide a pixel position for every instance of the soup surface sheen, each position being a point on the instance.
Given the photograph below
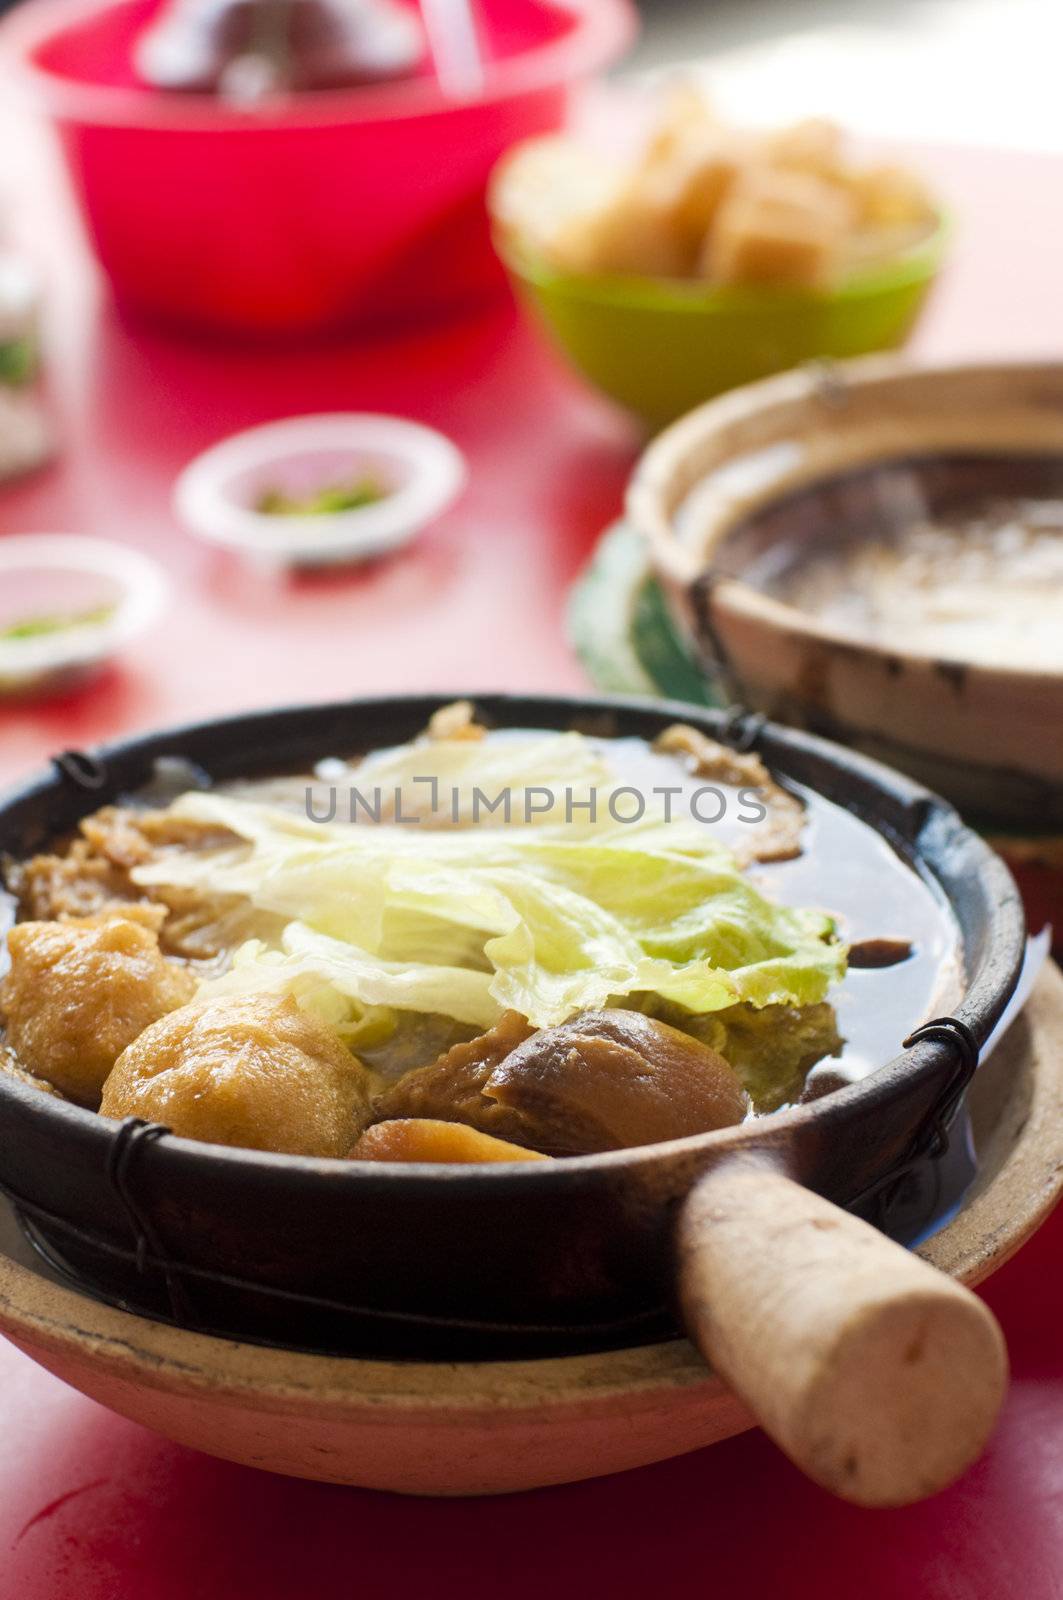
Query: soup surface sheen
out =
(986, 588)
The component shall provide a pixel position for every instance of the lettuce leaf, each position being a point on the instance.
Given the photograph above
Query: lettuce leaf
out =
(547, 920)
(536, 771)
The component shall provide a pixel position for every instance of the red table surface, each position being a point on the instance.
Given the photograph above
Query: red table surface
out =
(92, 1506)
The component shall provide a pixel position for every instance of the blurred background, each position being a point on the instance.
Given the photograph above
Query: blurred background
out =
(980, 71)
(974, 71)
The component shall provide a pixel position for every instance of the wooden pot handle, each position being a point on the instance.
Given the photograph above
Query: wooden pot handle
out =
(877, 1375)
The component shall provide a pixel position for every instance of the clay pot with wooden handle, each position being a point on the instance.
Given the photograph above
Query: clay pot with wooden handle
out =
(878, 1377)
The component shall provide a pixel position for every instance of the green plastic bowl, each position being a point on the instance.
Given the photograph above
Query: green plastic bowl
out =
(662, 346)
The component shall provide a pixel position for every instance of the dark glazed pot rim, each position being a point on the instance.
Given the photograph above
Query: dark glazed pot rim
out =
(927, 830)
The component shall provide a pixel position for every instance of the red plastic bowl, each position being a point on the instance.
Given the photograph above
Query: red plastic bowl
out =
(308, 211)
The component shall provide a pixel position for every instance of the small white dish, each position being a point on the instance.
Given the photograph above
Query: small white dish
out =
(67, 604)
(217, 497)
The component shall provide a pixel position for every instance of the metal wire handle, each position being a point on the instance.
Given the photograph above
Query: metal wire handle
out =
(931, 1142)
(81, 768)
(133, 1137)
(742, 728)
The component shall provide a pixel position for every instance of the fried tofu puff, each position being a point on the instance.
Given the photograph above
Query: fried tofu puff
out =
(79, 992)
(11, 1069)
(252, 1070)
